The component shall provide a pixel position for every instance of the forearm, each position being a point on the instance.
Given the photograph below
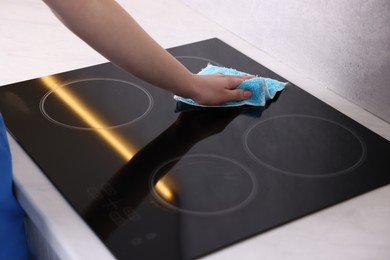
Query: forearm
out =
(111, 31)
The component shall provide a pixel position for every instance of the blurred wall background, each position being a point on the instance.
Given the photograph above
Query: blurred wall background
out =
(342, 45)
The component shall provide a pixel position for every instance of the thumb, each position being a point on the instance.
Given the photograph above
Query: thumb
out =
(239, 94)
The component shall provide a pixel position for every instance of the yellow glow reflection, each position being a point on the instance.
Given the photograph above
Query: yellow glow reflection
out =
(90, 118)
(164, 190)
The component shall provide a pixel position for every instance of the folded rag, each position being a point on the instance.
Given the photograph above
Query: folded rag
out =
(262, 89)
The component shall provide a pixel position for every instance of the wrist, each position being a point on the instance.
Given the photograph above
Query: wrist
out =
(187, 86)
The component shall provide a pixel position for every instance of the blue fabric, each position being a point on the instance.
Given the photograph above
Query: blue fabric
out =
(262, 89)
(13, 243)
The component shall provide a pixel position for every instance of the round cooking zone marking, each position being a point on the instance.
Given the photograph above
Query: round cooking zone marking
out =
(305, 146)
(196, 64)
(203, 184)
(95, 103)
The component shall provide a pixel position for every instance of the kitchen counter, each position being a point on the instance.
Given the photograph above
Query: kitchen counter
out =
(34, 44)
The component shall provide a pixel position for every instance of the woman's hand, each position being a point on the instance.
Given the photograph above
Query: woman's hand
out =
(215, 89)
(110, 30)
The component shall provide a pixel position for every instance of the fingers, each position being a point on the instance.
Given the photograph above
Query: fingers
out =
(238, 94)
(216, 89)
(235, 80)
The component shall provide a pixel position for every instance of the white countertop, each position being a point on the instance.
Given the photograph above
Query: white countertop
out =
(34, 43)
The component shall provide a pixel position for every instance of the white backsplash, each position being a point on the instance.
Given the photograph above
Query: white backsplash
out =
(342, 45)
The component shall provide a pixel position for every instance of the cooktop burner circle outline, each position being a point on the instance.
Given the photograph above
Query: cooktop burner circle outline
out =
(244, 202)
(198, 58)
(141, 116)
(328, 174)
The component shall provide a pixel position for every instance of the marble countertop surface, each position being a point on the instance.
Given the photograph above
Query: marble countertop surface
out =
(34, 43)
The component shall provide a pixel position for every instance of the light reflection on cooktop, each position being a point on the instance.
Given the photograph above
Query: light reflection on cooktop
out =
(95, 103)
(204, 184)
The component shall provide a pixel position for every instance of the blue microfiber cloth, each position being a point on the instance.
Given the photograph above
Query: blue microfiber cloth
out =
(262, 89)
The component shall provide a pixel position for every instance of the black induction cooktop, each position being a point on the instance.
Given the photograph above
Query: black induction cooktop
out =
(156, 179)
